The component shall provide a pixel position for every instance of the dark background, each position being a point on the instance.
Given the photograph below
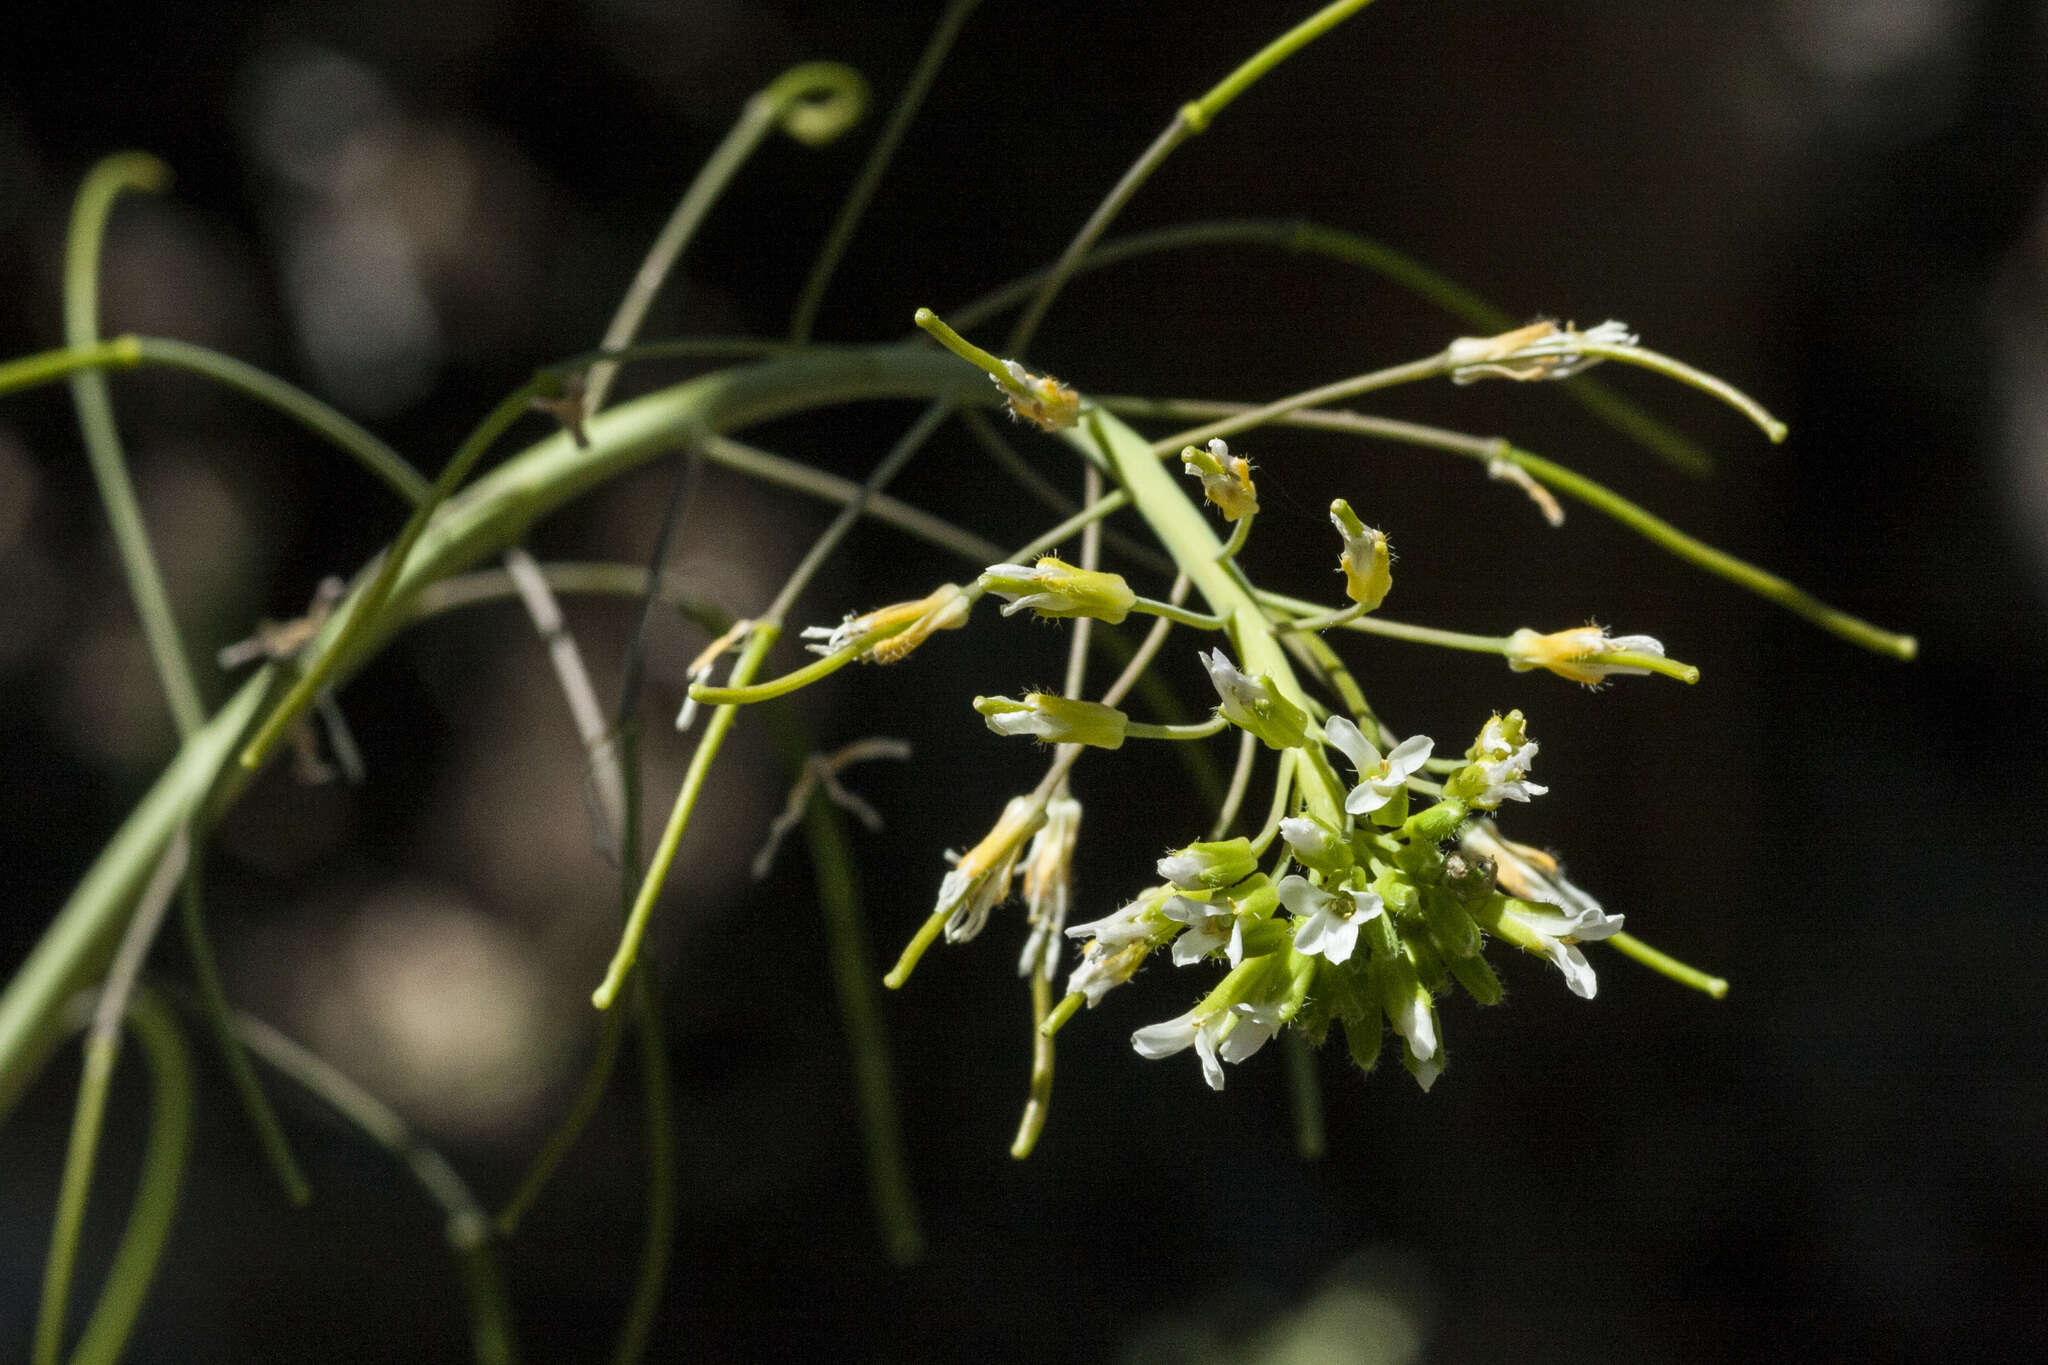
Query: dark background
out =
(1836, 204)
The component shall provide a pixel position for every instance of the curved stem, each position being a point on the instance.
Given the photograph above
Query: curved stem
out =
(1038, 1101)
(864, 186)
(467, 1229)
(1201, 730)
(102, 1049)
(89, 393)
(157, 1188)
(844, 94)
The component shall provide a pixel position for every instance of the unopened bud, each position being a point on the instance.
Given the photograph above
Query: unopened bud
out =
(1055, 719)
(1054, 588)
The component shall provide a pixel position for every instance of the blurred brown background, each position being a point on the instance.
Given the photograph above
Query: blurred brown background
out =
(1840, 205)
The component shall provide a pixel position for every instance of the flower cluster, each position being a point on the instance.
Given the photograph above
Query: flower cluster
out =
(1385, 911)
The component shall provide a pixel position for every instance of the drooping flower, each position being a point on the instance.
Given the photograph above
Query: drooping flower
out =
(1316, 845)
(1380, 777)
(1556, 934)
(1039, 398)
(1223, 1035)
(1584, 654)
(1326, 922)
(980, 880)
(1542, 350)
(1048, 886)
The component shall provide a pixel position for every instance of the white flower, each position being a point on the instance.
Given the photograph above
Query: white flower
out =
(1222, 1036)
(1327, 922)
(1210, 866)
(1557, 936)
(1380, 778)
(1315, 844)
(1252, 703)
(1209, 927)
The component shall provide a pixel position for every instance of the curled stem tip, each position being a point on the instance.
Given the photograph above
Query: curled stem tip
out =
(815, 102)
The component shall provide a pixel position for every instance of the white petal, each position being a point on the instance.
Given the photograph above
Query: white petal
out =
(1578, 973)
(1182, 869)
(1365, 905)
(1205, 1048)
(1409, 755)
(1340, 942)
(1301, 896)
(1250, 1034)
(1163, 1040)
(1365, 798)
(1346, 735)
(1414, 1020)
(1195, 944)
(1313, 935)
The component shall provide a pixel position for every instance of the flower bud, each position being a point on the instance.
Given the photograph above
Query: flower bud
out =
(1580, 654)
(1316, 846)
(1055, 719)
(980, 880)
(1499, 767)
(1226, 479)
(1367, 563)
(1542, 350)
(1039, 398)
(1210, 866)
(1253, 704)
(1054, 588)
(909, 625)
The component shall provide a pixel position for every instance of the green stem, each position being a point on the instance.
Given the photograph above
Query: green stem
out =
(270, 1136)
(870, 178)
(1674, 369)
(1415, 370)
(1653, 528)
(1239, 534)
(102, 1049)
(165, 1150)
(365, 604)
(637, 919)
(466, 1228)
(658, 1240)
(1213, 726)
(89, 393)
(1192, 118)
(589, 1094)
(1398, 268)
(493, 512)
(814, 103)
(1038, 1101)
(1663, 963)
(1305, 1093)
(1181, 615)
(853, 978)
